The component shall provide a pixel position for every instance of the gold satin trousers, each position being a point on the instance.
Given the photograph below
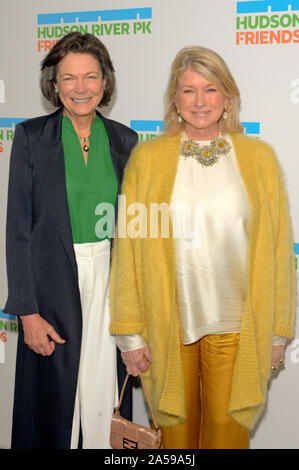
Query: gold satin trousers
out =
(208, 367)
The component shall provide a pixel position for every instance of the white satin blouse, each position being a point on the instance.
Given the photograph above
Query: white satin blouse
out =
(211, 253)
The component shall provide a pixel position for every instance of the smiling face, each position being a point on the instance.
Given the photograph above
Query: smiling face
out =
(80, 84)
(200, 104)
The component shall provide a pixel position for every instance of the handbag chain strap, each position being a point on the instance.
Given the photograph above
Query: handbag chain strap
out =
(146, 396)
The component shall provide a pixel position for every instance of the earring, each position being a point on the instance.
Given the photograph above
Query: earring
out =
(56, 90)
(225, 113)
(180, 119)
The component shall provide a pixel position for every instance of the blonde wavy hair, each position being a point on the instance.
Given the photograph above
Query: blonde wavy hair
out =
(213, 67)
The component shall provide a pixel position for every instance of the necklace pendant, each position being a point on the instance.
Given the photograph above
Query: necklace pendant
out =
(85, 148)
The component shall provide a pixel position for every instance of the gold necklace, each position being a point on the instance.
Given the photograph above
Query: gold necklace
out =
(85, 146)
(206, 155)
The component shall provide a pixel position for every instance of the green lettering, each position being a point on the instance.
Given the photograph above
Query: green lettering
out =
(264, 21)
(41, 32)
(108, 28)
(242, 22)
(9, 134)
(144, 137)
(95, 29)
(274, 21)
(125, 28)
(251, 24)
(13, 327)
(146, 27)
(51, 32)
(116, 28)
(81, 28)
(286, 21)
(59, 32)
(3, 325)
(295, 20)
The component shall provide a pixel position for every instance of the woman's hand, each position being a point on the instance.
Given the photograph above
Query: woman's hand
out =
(278, 357)
(137, 361)
(37, 332)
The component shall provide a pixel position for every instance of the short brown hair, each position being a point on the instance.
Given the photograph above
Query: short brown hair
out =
(212, 66)
(76, 43)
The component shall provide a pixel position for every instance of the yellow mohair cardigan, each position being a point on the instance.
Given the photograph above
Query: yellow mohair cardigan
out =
(143, 278)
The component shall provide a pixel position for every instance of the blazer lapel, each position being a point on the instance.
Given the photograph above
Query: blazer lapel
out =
(54, 182)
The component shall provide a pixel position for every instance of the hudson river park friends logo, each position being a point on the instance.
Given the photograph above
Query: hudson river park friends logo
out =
(121, 22)
(262, 22)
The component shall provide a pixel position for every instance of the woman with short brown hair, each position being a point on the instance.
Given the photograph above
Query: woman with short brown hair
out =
(63, 167)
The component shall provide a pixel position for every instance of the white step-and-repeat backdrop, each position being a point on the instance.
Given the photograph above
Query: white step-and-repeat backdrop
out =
(260, 42)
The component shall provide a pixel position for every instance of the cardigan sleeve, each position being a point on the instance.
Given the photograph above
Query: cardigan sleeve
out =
(125, 296)
(21, 292)
(285, 266)
(284, 262)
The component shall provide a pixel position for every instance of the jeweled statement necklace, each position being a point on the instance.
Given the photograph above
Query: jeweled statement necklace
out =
(206, 155)
(84, 140)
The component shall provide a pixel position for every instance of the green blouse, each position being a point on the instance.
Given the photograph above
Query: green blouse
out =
(89, 185)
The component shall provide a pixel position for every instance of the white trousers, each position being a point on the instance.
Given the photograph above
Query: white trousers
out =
(97, 391)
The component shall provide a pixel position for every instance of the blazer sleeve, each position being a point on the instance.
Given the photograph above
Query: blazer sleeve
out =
(21, 293)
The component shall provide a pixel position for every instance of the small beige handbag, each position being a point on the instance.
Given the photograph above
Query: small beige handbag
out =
(128, 435)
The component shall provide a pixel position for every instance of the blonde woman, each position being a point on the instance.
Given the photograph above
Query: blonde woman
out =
(206, 315)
